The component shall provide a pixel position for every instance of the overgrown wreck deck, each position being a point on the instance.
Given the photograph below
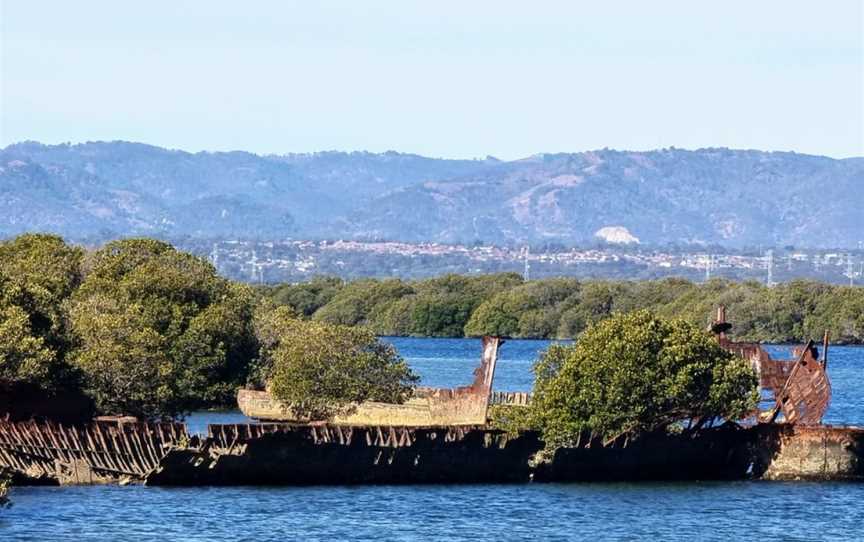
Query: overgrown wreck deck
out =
(441, 436)
(286, 454)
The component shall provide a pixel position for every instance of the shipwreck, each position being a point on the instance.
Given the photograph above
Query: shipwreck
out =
(442, 436)
(795, 391)
(462, 406)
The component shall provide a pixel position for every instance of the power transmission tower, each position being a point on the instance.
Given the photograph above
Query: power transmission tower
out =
(254, 266)
(214, 256)
(769, 257)
(526, 274)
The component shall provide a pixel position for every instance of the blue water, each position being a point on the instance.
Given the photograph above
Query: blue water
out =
(680, 511)
(696, 511)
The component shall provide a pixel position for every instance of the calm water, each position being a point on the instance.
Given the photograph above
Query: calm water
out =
(691, 511)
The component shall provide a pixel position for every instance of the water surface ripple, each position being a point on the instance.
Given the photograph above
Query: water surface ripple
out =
(694, 511)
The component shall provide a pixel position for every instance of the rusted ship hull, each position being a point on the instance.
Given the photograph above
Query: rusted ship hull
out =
(324, 455)
(801, 452)
(440, 436)
(796, 391)
(286, 454)
(281, 454)
(463, 406)
(298, 455)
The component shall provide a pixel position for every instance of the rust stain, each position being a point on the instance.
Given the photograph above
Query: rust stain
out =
(794, 391)
(805, 396)
(465, 405)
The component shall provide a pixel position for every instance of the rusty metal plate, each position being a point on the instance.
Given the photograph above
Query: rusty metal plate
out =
(798, 389)
(806, 394)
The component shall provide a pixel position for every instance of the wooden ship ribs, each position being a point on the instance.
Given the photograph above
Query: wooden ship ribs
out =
(101, 451)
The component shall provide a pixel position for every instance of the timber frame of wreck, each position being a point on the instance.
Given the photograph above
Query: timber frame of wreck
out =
(441, 435)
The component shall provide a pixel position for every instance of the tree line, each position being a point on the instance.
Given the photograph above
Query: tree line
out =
(505, 304)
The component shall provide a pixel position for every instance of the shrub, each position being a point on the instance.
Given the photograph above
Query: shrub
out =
(634, 373)
(322, 369)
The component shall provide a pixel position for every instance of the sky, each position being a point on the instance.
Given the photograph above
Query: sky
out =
(445, 78)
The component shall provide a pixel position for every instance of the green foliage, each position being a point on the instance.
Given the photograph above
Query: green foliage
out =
(442, 306)
(528, 310)
(440, 315)
(454, 305)
(841, 312)
(637, 373)
(270, 324)
(158, 332)
(634, 295)
(512, 419)
(46, 269)
(324, 369)
(37, 274)
(438, 307)
(596, 300)
(306, 297)
(23, 355)
(358, 303)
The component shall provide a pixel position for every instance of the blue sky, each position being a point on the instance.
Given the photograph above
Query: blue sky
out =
(442, 78)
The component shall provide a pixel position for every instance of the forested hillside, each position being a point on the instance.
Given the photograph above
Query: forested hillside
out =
(736, 198)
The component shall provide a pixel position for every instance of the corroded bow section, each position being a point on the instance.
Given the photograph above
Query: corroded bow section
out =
(806, 394)
(798, 390)
(485, 372)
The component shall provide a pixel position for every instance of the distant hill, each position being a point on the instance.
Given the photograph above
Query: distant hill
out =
(729, 197)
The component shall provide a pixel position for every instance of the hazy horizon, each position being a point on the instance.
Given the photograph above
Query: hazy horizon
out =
(444, 80)
(403, 152)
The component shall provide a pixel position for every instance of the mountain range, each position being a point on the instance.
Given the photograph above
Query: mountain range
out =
(735, 198)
